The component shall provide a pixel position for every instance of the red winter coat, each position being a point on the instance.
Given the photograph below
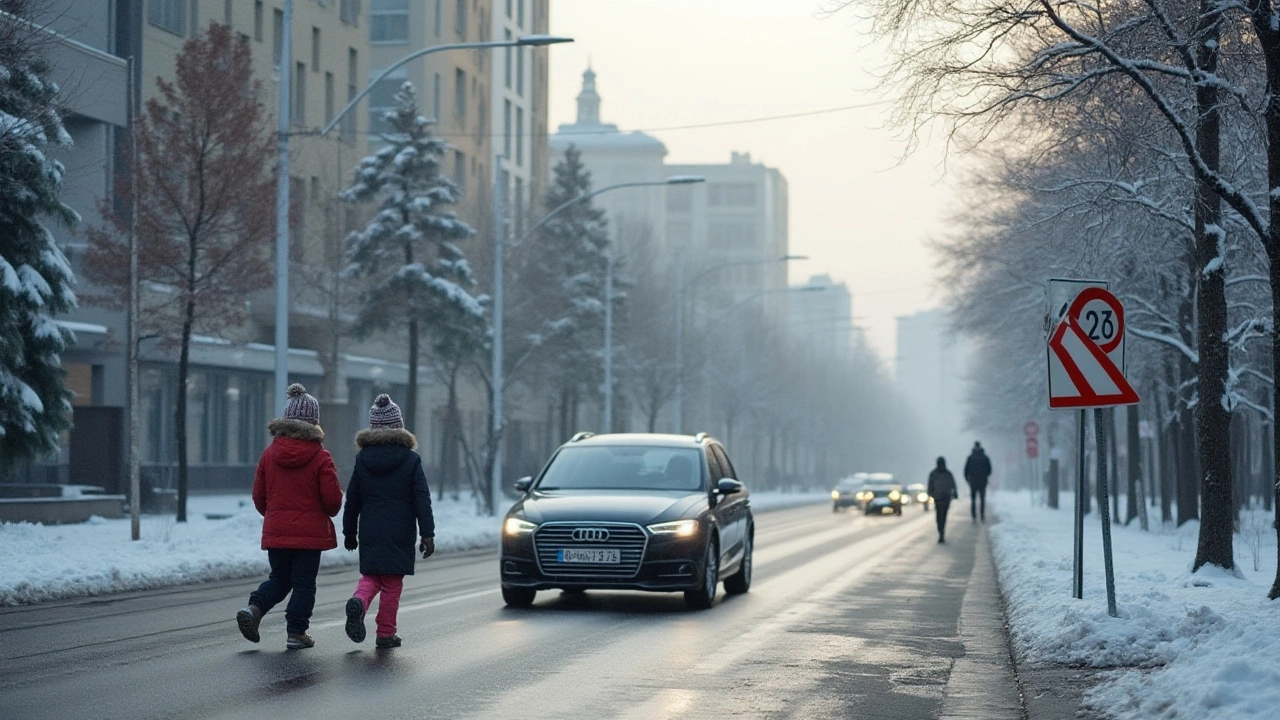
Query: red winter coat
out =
(296, 489)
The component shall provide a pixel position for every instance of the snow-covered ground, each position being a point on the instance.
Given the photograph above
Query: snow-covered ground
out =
(221, 539)
(1186, 646)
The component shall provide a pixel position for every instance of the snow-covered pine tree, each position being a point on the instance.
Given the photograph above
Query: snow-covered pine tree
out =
(570, 258)
(418, 277)
(35, 280)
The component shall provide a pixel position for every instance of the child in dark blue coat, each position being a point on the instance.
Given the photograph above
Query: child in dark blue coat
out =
(388, 505)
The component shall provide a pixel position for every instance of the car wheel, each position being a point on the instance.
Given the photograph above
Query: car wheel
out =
(518, 597)
(740, 582)
(704, 596)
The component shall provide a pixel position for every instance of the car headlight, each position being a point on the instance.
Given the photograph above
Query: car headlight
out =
(922, 497)
(894, 495)
(679, 528)
(835, 494)
(516, 526)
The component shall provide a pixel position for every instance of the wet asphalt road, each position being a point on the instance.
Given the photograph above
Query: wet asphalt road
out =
(848, 616)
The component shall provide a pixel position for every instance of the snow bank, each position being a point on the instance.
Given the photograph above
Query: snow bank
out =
(1191, 646)
(221, 539)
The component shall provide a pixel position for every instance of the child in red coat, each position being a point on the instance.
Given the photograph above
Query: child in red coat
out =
(296, 490)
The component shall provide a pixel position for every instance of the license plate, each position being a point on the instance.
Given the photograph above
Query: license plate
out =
(589, 555)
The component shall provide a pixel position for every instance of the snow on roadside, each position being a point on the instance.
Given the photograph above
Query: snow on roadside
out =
(1189, 646)
(220, 540)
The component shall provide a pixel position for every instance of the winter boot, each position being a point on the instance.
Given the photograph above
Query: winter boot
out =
(248, 620)
(388, 642)
(355, 619)
(299, 641)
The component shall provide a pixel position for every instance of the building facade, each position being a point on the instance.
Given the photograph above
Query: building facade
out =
(822, 320)
(929, 371)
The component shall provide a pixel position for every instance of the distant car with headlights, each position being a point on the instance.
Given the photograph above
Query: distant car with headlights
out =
(917, 493)
(845, 494)
(881, 494)
(630, 511)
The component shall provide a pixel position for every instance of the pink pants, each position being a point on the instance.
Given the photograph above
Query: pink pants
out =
(390, 587)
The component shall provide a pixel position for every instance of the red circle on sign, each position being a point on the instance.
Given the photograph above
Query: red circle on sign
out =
(1090, 294)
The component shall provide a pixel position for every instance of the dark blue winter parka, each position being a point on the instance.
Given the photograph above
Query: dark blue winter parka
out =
(388, 502)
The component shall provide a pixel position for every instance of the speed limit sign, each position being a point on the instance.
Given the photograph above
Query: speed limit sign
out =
(1086, 353)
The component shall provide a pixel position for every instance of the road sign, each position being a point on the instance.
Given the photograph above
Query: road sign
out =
(1086, 354)
(1031, 429)
(1033, 448)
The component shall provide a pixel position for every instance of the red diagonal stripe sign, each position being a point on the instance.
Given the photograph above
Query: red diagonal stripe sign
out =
(1083, 354)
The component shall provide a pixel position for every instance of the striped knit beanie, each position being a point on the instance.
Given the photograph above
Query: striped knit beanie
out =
(385, 414)
(301, 406)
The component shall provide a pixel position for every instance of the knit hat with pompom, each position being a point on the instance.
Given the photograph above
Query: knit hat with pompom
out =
(301, 406)
(385, 414)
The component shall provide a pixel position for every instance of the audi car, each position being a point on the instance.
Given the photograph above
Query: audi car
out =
(630, 511)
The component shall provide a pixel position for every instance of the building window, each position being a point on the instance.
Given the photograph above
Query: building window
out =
(507, 70)
(389, 21)
(277, 38)
(382, 97)
(520, 71)
(315, 189)
(315, 49)
(328, 98)
(520, 136)
(257, 20)
(679, 199)
(226, 12)
(460, 92)
(460, 23)
(436, 24)
(506, 128)
(731, 236)
(509, 8)
(731, 195)
(435, 95)
(520, 15)
(460, 169)
(519, 206)
(169, 15)
(349, 11)
(300, 95)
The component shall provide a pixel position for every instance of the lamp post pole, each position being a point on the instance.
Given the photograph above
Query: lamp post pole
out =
(282, 209)
(499, 249)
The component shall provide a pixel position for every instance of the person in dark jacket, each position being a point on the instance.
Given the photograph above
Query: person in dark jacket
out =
(977, 470)
(296, 491)
(942, 488)
(388, 504)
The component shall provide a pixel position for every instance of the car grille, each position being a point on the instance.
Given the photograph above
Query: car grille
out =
(630, 540)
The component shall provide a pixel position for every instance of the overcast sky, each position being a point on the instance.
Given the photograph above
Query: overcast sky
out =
(859, 213)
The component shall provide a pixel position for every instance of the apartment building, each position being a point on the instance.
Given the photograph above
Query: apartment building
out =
(518, 123)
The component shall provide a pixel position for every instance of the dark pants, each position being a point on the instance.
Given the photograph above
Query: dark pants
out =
(940, 506)
(291, 570)
(978, 494)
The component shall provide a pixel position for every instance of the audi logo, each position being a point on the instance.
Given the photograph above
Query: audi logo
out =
(590, 535)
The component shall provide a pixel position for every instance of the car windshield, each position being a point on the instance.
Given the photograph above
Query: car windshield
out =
(881, 485)
(622, 467)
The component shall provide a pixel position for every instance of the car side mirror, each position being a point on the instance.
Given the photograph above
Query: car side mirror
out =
(523, 484)
(728, 486)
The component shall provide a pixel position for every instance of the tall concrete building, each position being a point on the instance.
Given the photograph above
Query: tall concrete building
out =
(822, 321)
(518, 123)
(928, 370)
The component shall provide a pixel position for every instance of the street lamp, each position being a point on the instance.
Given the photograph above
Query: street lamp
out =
(499, 249)
(282, 182)
(680, 288)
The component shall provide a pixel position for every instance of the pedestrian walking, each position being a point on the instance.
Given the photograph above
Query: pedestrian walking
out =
(388, 505)
(942, 488)
(296, 491)
(977, 470)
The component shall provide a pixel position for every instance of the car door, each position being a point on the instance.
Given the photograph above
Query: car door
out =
(720, 510)
(734, 511)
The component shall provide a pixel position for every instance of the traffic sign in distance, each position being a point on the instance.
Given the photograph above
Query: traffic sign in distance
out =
(1086, 354)
(1031, 429)
(1033, 448)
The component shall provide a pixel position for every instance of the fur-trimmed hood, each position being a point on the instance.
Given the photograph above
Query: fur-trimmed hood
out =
(296, 429)
(386, 436)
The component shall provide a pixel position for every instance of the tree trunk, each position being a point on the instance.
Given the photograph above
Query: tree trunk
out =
(1213, 417)
(1185, 446)
(180, 411)
(1167, 466)
(1135, 463)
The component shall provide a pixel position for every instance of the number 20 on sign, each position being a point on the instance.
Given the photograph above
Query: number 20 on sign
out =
(1086, 353)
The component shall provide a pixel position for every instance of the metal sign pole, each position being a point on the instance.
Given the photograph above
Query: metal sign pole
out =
(1077, 569)
(1101, 430)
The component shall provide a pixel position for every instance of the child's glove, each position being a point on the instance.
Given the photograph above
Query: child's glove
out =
(350, 542)
(427, 547)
